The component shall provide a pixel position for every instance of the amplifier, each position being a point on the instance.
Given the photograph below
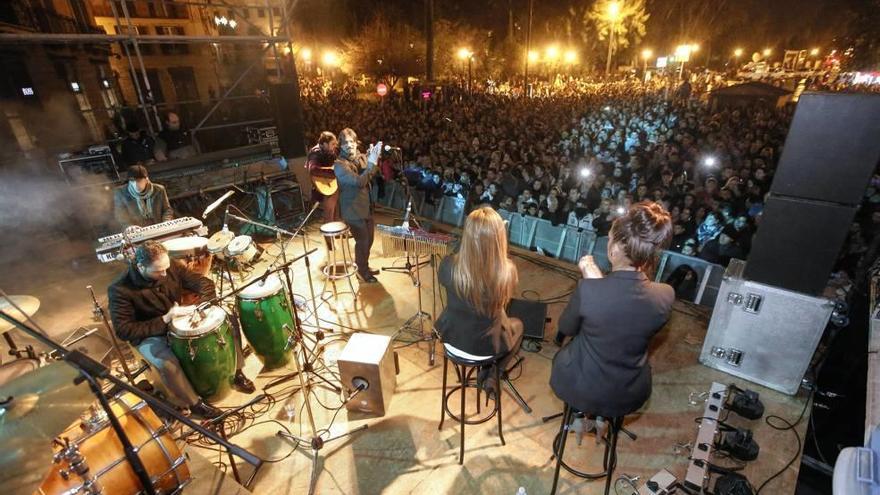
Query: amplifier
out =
(762, 333)
(533, 315)
(370, 358)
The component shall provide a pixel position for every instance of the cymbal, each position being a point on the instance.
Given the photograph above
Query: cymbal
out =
(34, 409)
(28, 304)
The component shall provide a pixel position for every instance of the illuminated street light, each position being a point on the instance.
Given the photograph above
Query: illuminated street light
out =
(552, 53)
(533, 56)
(306, 54)
(613, 17)
(613, 10)
(767, 52)
(814, 52)
(695, 47)
(232, 23)
(647, 53)
(464, 53)
(738, 52)
(330, 58)
(571, 56)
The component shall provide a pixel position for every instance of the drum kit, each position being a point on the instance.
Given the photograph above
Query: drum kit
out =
(197, 253)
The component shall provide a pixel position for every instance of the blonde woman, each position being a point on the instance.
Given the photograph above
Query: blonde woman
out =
(480, 280)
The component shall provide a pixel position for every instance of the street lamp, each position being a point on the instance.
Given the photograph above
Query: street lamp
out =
(814, 52)
(465, 54)
(682, 55)
(767, 52)
(738, 53)
(647, 53)
(533, 56)
(613, 15)
(552, 53)
(571, 57)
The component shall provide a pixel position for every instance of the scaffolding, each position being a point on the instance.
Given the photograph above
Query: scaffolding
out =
(130, 42)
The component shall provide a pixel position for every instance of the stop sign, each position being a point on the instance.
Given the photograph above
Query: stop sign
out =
(381, 89)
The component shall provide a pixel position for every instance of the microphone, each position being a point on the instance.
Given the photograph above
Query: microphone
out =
(226, 219)
(391, 148)
(213, 206)
(406, 215)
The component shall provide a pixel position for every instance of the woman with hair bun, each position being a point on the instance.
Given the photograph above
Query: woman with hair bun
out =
(611, 319)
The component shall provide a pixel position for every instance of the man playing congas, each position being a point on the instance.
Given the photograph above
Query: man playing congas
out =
(143, 302)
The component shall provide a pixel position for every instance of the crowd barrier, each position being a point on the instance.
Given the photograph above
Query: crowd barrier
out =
(569, 243)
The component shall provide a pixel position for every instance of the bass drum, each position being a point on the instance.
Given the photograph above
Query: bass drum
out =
(94, 441)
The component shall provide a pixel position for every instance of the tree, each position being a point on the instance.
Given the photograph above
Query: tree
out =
(622, 22)
(386, 51)
(451, 36)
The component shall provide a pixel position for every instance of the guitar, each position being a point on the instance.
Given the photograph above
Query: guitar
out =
(324, 180)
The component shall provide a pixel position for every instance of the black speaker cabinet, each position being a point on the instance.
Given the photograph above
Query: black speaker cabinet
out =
(797, 243)
(832, 148)
(533, 315)
(289, 119)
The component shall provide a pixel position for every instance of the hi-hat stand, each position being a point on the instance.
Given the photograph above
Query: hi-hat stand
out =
(93, 372)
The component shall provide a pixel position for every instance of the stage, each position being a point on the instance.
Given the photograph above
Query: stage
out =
(403, 452)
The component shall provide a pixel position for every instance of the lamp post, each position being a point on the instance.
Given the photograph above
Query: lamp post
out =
(736, 55)
(683, 54)
(466, 54)
(613, 14)
(646, 54)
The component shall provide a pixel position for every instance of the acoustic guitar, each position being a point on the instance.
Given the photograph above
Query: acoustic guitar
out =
(324, 180)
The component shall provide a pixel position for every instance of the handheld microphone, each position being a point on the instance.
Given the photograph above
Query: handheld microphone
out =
(391, 148)
(226, 219)
(213, 206)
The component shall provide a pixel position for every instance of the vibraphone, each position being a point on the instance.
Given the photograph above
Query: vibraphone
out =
(416, 242)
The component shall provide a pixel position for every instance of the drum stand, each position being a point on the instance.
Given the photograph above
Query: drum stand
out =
(91, 371)
(99, 311)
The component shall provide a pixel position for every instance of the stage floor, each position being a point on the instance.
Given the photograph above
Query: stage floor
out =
(403, 452)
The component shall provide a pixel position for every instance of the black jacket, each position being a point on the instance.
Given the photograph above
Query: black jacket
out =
(137, 304)
(460, 325)
(604, 369)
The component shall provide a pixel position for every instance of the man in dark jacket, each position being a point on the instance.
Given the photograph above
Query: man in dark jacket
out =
(143, 302)
(140, 202)
(354, 173)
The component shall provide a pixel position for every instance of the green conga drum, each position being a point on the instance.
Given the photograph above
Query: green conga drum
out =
(206, 351)
(266, 320)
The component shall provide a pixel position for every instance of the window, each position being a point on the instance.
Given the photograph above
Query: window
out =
(172, 48)
(261, 12)
(276, 11)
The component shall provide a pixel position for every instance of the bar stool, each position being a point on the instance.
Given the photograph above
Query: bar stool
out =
(340, 264)
(465, 364)
(609, 459)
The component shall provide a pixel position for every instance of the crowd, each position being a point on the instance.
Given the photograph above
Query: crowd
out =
(581, 154)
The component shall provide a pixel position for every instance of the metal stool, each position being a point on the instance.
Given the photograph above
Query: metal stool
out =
(340, 264)
(609, 459)
(464, 368)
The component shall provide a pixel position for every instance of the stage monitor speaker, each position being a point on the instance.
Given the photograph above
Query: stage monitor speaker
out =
(368, 358)
(533, 315)
(289, 119)
(832, 148)
(797, 243)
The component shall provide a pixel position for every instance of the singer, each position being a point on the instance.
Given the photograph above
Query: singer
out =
(144, 300)
(140, 202)
(354, 172)
(611, 320)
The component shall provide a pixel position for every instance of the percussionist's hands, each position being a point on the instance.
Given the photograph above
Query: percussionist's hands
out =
(373, 154)
(589, 268)
(177, 311)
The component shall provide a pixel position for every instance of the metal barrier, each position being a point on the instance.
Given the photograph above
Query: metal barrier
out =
(577, 242)
(549, 238)
(521, 232)
(451, 211)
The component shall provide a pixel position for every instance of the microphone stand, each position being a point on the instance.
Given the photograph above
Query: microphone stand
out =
(92, 372)
(99, 310)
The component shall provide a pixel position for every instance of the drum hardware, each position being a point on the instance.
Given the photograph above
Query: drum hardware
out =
(98, 311)
(89, 370)
(26, 306)
(77, 465)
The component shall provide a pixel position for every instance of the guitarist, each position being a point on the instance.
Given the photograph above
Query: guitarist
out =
(320, 165)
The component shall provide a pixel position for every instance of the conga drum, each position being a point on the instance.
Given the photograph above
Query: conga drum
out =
(93, 442)
(266, 320)
(192, 252)
(206, 350)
